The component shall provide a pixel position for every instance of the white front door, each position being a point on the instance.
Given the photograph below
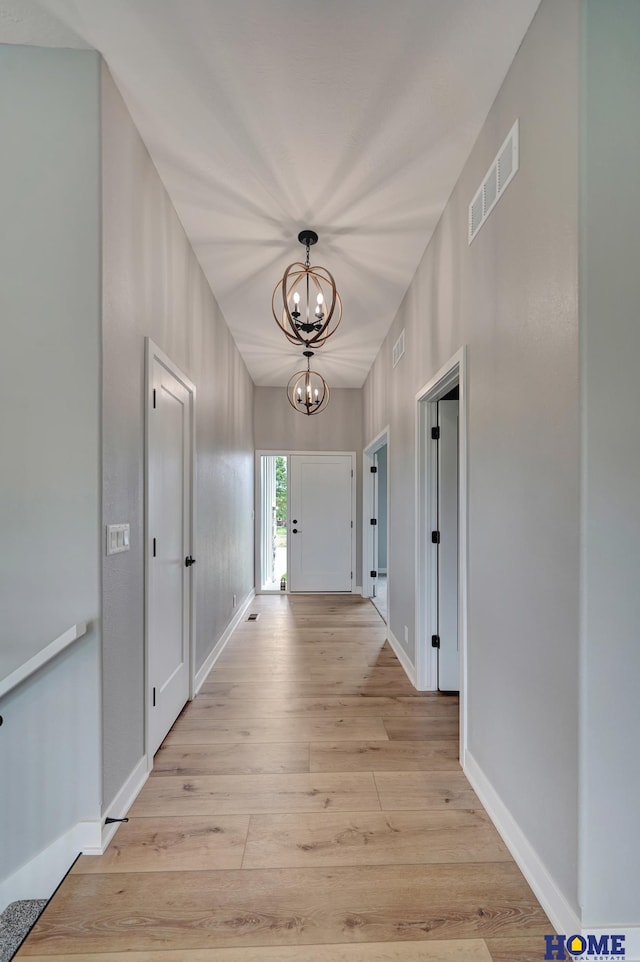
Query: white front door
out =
(448, 654)
(321, 516)
(169, 547)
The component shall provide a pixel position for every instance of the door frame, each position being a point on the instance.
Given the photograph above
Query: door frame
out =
(154, 353)
(426, 508)
(367, 507)
(285, 452)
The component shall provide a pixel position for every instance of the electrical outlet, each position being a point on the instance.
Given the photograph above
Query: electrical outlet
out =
(235, 599)
(406, 635)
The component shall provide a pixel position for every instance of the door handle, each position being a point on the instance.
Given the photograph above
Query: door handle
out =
(189, 561)
(295, 531)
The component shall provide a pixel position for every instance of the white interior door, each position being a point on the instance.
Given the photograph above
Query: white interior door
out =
(169, 548)
(448, 654)
(321, 529)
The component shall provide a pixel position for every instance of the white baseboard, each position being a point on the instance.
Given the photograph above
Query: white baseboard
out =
(120, 805)
(89, 835)
(403, 657)
(357, 590)
(40, 877)
(213, 655)
(563, 917)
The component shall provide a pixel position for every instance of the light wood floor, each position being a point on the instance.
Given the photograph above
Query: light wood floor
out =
(308, 806)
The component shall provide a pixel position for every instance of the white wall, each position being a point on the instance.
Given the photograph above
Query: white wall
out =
(339, 428)
(512, 298)
(49, 439)
(610, 332)
(153, 285)
(277, 425)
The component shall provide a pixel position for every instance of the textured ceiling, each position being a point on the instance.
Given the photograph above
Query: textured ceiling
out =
(352, 117)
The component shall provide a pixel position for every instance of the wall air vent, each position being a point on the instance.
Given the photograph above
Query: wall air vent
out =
(500, 174)
(398, 349)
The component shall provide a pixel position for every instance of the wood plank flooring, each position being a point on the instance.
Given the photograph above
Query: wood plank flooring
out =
(307, 806)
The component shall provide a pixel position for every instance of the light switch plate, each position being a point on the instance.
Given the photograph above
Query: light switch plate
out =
(118, 538)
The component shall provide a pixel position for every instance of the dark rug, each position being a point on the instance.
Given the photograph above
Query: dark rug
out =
(16, 922)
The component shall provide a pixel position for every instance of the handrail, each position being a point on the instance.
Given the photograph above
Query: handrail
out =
(46, 654)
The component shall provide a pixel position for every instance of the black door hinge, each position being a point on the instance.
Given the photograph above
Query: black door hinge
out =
(154, 397)
(373, 469)
(435, 641)
(373, 521)
(435, 537)
(154, 547)
(373, 574)
(154, 698)
(435, 434)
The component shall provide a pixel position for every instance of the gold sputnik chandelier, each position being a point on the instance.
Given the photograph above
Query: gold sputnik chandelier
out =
(306, 305)
(307, 391)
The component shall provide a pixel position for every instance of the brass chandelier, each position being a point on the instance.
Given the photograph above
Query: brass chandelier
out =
(306, 305)
(307, 391)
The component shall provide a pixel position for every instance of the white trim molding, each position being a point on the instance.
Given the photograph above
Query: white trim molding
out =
(402, 656)
(426, 506)
(218, 648)
(121, 804)
(368, 453)
(563, 917)
(40, 877)
(154, 353)
(257, 514)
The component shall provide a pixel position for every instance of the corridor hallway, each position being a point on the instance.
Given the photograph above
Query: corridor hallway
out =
(308, 806)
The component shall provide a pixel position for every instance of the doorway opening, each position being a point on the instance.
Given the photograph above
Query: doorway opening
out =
(274, 515)
(305, 534)
(441, 534)
(375, 523)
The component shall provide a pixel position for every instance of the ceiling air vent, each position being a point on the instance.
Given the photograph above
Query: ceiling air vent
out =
(398, 349)
(502, 171)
